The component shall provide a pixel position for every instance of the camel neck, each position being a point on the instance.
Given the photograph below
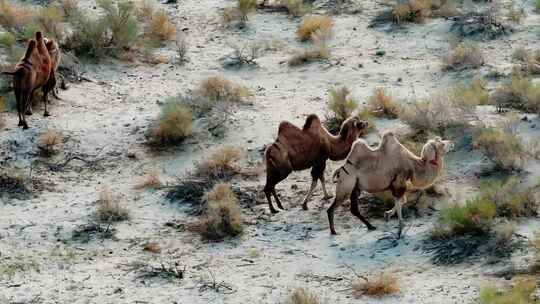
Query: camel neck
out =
(426, 172)
(339, 147)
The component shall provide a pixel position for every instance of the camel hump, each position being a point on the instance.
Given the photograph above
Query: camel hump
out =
(285, 125)
(39, 35)
(29, 50)
(310, 120)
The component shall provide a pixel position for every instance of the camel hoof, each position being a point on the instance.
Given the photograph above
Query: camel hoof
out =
(333, 233)
(305, 207)
(28, 113)
(274, 211)
(20, 124)
(371, 228)
(46, 114)
(327, 197)
(25, 127)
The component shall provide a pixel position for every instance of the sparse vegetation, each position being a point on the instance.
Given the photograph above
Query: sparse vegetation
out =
(174, 124)
(109, 209)
(152, 247)
(160, 28)
(309, 55)
(295, 8)
(182, 47)
(238, 15)
(303, 296)
(314, 25)
(49, 142)
(222, 217)
(465, 55)
(521, 293)
(14, 17)
(7, 39)
(515, 13)
(511, 199)
(222, 89)
(471, 94)
(504, 149)
(382, 285)
(382, 104)
(11, 266)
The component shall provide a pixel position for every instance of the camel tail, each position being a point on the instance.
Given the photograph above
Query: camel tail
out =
(9, 73)
(29, 50)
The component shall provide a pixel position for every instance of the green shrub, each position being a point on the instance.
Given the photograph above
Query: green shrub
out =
(89, 36)
(471, 94)
(222, 217)
(473, 217)
(18, 264)
(49, 20)
(7, 39)
(521, 293)
(537, 6)
(503, 148)
(174, 124)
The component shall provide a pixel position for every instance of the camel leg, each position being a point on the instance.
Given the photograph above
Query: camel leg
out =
(45, 94)
(268, 197)
(25, 98)
(344, 188)
(399, 204)
(354, 208)
(272, 179)
(20, 107)
(310, 192)
(278, 202)
(48, 87)
(28, 103)
(323, 183)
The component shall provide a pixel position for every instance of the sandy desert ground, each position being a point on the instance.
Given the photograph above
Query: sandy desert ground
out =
(104, 120)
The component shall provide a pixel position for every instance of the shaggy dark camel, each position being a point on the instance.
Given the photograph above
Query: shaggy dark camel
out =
(390, 166)
(298, 149)
(31, 73)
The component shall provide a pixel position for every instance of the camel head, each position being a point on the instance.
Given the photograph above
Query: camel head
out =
(434, 150)
(352, 128)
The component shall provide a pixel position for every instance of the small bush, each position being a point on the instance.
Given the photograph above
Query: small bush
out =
(521, 293)
(14, 17)
(88, 36)
(382, 104)
(520, 93)
(145, 10)
(382, 285)
(474, 217)
(18, 264)
(473, 94)
(511, 200)
(436, 113)
(312, 24)
(161, 28)
(295, 8)
(182, 47)
(303, 296)
(463, 56)
(222, 89)
(174, 124)
(152, 247)
(149, 180)
(7, 39)
(50, 20)
(246, 7)
(238, 15)
(220, 165)
(309, 55)
(222, 217)
(121, 21)
(69, 7)
(49, 142)
(415, 11)
(341, 105)
(502, 148)
(109, 210)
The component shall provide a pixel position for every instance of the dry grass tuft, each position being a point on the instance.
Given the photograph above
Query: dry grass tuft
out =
(220, 165)
(341, 106)
(314, 24)
(303, 296)
(382, 104)
(464, 56)
(515, 13)
(309, 55)
(222, 217)
(238, 15)
(384, 284)
(222, 89)
(109, 210)
(152, 247)
(150, 180)
(69, 7)
(471, 94)
(49, 142)
(511, 199)
(415, 11)
(529, 60)
(174, 124)
(502, 148)
(145, 10)
(521, 293)
(161, 28)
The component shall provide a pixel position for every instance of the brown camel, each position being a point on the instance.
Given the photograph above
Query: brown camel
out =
(390, 166)
(31, 73)
(298, 149)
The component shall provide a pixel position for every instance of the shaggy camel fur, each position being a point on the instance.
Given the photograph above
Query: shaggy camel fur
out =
(390, 166)
(31, 73)
(298, 149)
